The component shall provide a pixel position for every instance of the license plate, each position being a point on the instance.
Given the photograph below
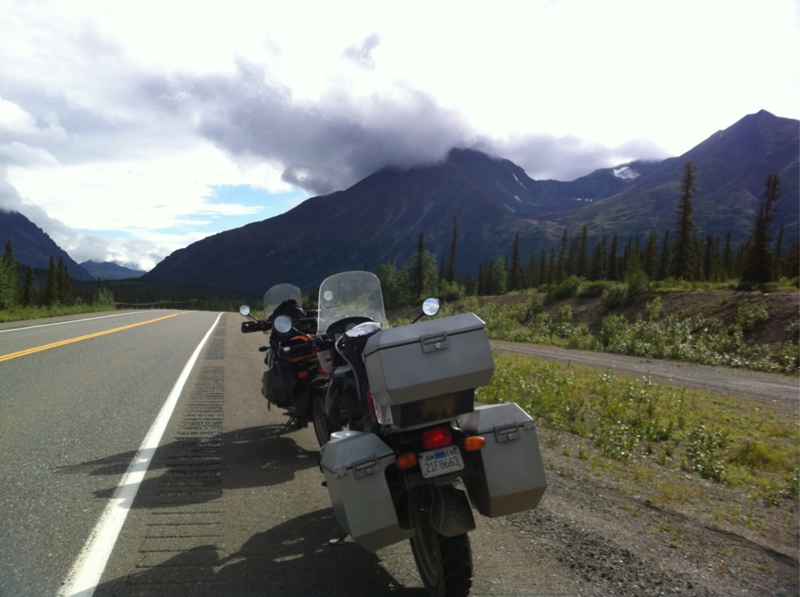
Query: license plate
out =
(440, 462)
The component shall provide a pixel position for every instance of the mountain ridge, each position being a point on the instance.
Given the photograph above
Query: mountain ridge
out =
(33, 247)
(379, 219)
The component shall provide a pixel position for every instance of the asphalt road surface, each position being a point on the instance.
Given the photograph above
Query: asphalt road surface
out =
(229, 505)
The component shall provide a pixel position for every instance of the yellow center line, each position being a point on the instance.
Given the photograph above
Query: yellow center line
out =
(14, 355)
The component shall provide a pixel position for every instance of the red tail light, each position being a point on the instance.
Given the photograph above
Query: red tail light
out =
(436, 438)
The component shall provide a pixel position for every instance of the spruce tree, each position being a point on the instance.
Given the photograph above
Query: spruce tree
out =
(663, 267)
(758, 268)
(613, 265)
(778, 273)
(64, 288)
(9, 278)
(543, 274)
(727, 258)
(532, 273)
(583, 254)
(791, 264)
(450, 270)
(600, 260)
(418, 269)
(499, 277)
(516, 275)
(684, 251)
(561, 268)
(50, 294)
(27, 289)
(650, 257)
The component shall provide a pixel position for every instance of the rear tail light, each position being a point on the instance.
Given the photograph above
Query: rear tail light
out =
(436, 438)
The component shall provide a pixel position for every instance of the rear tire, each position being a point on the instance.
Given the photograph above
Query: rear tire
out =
(322, 426)
(444, 563)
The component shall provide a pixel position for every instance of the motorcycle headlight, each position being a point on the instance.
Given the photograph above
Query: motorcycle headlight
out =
(282, 324)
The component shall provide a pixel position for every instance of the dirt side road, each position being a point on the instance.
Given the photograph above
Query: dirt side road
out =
(779, 391)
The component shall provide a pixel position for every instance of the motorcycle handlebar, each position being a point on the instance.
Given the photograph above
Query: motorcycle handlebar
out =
(318, 342)
(261, 325)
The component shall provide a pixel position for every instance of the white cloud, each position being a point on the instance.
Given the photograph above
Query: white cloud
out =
(124, 117)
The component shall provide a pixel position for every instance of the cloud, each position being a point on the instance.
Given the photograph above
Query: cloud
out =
(321, 145)
(547, 157)
(362, 54)
(331, 143)
(20, 154)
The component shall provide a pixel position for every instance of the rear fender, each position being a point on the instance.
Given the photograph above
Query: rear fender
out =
(449, 510)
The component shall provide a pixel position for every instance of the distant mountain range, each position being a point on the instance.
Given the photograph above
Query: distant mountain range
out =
(33, 246)
(109, 270)
(378, 219)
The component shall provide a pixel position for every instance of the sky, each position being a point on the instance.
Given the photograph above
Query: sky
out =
(131, 129)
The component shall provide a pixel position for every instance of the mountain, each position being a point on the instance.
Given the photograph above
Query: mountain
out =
(32, 245)
(379, 219)
(732, 166)
(109, 270)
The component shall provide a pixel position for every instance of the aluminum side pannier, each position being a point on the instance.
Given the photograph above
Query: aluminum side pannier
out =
(507, 474)
(354, 465)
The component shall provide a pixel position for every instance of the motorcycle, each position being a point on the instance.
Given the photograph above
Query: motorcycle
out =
(414, 437)
(291, 383)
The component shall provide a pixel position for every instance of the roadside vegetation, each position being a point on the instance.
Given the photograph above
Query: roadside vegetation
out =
(617, 276)
(642, 434)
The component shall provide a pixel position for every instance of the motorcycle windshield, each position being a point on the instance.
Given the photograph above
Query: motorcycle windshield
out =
(279, 293)
(350, 294)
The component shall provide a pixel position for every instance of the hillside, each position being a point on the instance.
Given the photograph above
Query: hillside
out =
(732, 166)
(33, 246)
(109, 270)
(379, 219)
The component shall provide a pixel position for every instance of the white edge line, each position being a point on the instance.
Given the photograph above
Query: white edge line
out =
(85, 574)
(85, 319)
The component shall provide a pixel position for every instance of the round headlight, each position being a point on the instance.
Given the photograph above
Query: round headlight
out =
(282, 324)
(363, 329)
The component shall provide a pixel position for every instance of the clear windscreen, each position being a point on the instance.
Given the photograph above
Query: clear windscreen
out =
(350, 294)
(279, 293)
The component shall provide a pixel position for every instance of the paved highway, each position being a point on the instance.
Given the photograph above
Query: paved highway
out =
(229, 504)
(71, 418)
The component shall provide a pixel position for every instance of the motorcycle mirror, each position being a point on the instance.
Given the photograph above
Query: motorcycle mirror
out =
(430, 307)
(244, 310)
(282, 324)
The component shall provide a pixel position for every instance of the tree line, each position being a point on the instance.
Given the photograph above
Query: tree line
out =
(685, 256)
(681, 255)
(16, 291)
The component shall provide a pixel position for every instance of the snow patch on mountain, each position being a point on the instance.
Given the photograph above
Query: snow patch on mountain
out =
(626, 173)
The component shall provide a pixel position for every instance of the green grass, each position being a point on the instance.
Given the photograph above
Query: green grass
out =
(24, 313)
(705, 435)
(693, 339)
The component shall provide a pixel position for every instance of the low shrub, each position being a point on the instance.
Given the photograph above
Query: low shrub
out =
(568, 288)
(614, 296)
(595, 289)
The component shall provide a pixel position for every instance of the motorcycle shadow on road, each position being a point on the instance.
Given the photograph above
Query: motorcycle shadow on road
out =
(245, 458)
(297, 558)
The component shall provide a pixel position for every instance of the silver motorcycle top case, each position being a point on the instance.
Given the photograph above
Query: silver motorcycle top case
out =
(508, 474)
(430, 358)
(354, 465)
